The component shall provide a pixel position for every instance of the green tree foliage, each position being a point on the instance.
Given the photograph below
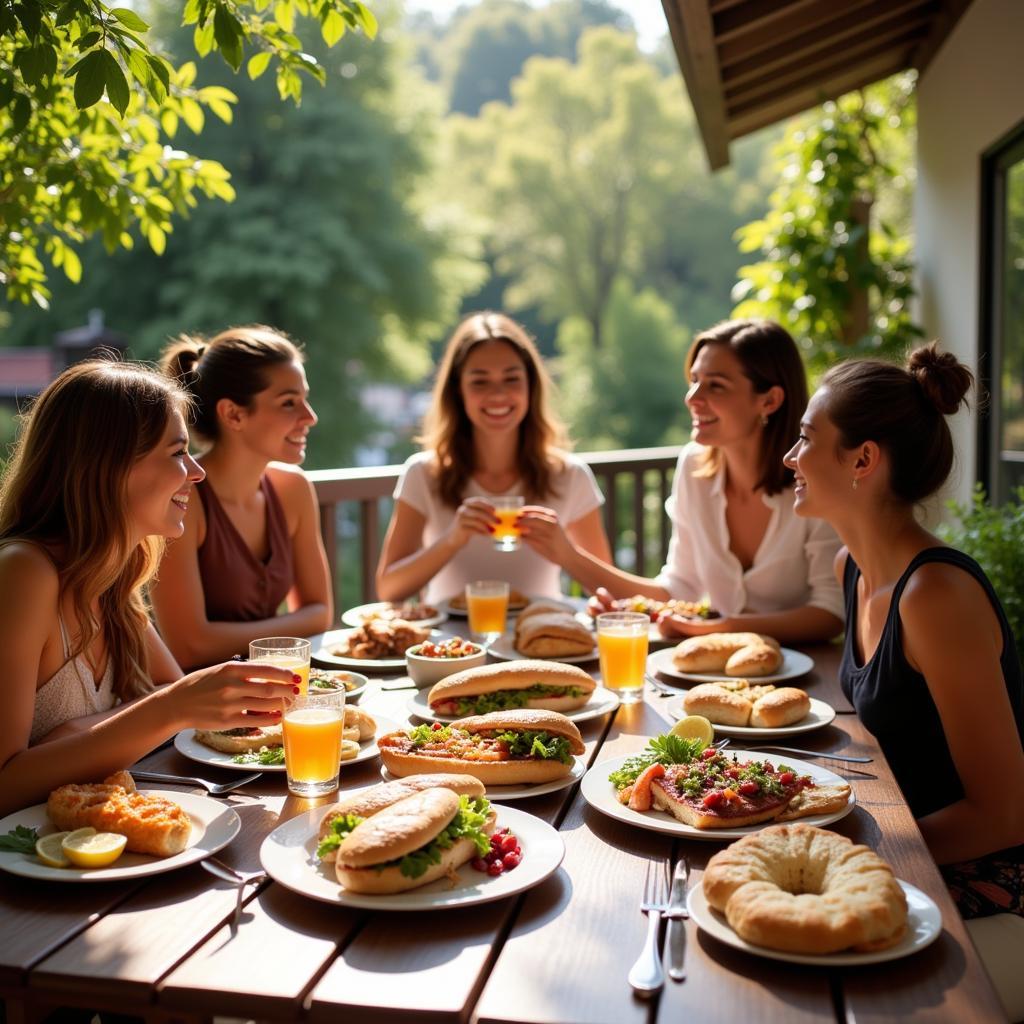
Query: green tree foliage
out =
(88, 106)
(835, 246)
(333, 237)
(627, 393)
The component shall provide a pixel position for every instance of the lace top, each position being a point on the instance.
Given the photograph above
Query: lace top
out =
(71, 692)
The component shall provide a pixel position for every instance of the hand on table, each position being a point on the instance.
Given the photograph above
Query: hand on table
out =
(672, 626)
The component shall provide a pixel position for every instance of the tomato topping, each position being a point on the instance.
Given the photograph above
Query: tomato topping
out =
(730, 793)
(786, 778)
(714, 798)
(749, 787)
(708, 753)
(732, 773)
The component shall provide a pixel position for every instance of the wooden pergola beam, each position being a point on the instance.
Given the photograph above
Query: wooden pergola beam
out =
(692, 32)
(945, 21)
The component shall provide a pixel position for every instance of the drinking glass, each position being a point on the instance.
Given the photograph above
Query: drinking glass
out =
(506, 533)
(487, 605)
(285, 652)
(313, 728)
(622, 647)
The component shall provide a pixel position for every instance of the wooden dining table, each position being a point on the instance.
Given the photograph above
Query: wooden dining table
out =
(164, 948)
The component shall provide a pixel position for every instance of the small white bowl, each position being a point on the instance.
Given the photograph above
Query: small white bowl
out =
(425, 672)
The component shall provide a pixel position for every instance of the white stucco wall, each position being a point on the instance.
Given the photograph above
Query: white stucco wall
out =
(970, 96)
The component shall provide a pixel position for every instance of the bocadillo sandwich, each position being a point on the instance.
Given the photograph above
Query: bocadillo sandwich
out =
(515, 684)
(504, 748)
(413, 842)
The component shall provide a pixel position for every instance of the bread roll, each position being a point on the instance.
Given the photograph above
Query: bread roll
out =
(785, 706)
(553, 635)
(363, 723)
(735, 654)
(717, 705)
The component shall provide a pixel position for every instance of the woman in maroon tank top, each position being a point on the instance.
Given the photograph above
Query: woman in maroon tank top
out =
(251, 562)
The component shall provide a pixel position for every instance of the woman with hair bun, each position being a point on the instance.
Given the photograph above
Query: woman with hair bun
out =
(489, 432)
(929, 660)
(252, 542)
(100, 475)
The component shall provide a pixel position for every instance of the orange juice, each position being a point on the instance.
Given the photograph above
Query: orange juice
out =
(622, 647)
(312, 745)
(487, 613)
(297, 665)
(506, 533)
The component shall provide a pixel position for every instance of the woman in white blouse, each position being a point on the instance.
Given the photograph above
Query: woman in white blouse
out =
(735, 537)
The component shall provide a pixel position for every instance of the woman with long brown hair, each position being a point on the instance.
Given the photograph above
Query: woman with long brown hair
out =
(929, 661)
(252, 541)
(735, 538)
(490, 432)
(100, 476)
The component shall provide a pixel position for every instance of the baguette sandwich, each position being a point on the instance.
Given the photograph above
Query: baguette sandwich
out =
(517, 684)
(504, 748)
(422, 837)
(368, 802)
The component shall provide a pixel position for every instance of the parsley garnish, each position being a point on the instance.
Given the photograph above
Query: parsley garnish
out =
(666, 749)
(22, 840)
(264, 756)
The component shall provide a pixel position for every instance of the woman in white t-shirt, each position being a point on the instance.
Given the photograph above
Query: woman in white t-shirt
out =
(489, 433)
(735, 538)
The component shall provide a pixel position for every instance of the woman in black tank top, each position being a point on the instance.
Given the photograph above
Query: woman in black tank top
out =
(930, 662)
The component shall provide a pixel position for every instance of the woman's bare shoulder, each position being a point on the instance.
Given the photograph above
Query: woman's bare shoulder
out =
(26, 570)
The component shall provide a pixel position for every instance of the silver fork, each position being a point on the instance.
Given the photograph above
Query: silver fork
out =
(813, 753)
(661, 688)
(213, 788)
(646, 975)
(240, 879)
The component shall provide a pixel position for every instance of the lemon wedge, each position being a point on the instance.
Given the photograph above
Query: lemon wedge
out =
(49, 852)
(694, 727)
(87, 848)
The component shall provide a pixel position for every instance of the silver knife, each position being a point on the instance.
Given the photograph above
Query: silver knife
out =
(676, 914)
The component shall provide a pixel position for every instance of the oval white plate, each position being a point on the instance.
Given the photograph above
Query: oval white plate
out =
(794, 665)
(601, 702)
(323, 657)
(502, 648)
(820, 715)
(600, 794)
(186, 743)
(214, 825)
(288, 855)
(496, 793)
(356, 616)
(924, 923)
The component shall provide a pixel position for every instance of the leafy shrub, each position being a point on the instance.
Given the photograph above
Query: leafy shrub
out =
(994, 537)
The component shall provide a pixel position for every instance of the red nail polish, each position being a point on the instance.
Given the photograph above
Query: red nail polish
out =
(296, 678)
(295, 689)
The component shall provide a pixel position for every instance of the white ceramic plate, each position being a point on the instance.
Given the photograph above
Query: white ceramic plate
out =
(654, 635)
(502, 648)
(600, 794)
(819, 716)
(794, 665)
(351, 696)
(288, 855)
(186, 743)
(601, 702)
(214, 825)
(496, 793)
(924, 923)
(358, 615)
(513, 609)
(323, 656)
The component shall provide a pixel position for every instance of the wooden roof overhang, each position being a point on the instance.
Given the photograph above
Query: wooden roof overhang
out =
(750, 63)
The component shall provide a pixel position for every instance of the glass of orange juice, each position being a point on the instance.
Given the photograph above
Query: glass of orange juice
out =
(313, 727)
(487, 605)
(506, 533)
(622, 647)
(284, 652)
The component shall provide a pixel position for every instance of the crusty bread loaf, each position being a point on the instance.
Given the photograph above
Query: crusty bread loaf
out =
(785, 706)
(804, 890)
(735, 654)
(151, 824)
(539, 608)
(817, 799)
(370, 801)
(554, 634)
(718, 705)
(364, 724)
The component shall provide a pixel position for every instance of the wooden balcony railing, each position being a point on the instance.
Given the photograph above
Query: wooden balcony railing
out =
(355, 506)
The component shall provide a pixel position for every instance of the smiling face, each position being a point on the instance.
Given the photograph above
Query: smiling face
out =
(279, 418)
(824, 470)
(160, 483)
(494, 387)
(722, 401)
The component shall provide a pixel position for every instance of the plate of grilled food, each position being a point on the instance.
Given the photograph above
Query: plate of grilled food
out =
(679, 787)
(389, 611)
(109, 831)
(377, 644)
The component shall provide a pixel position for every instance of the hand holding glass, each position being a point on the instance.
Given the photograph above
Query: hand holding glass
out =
(313, 728)
(506, 533)
(622, 647)
(487, 605)
(285, 652)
